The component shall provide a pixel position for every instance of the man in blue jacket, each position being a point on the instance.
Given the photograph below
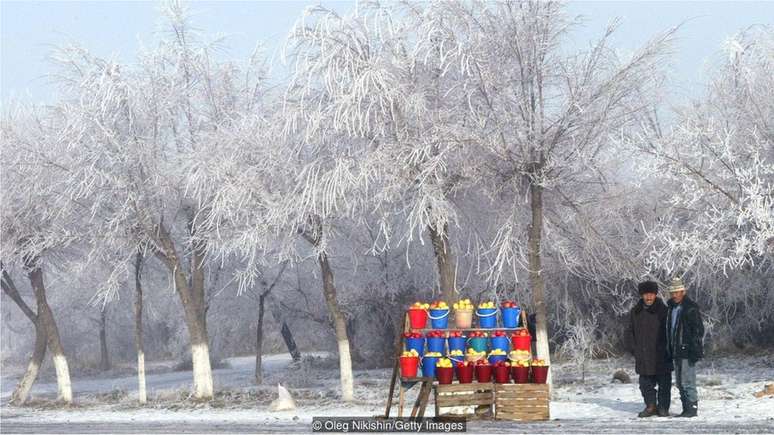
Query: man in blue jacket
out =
(685, 334)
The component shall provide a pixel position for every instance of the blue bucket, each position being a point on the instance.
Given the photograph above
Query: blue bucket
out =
(501, 343)
(494, 359)
(457, 343)
(478, 344)
(510, 317)
(417, 344)
(436, 344)
(439, 318)
(428, 366)
(487, 317)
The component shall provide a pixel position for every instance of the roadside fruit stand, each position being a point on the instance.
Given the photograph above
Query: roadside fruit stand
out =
(477, 369)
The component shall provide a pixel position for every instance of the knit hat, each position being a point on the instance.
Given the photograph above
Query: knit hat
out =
(676, 285)
(647, 287)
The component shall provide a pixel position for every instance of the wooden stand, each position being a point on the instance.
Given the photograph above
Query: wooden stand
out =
(510, 404)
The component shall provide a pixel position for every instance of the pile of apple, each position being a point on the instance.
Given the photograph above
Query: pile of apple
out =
(501, 364)
(497, 352)
(436, 334)
(439, 305)
(412, 335)
(419, 306)
(518, 355)
(474, 334)
(498, 334)
(464, 363)
(457, 352)
(489, 304)
(509, 304)
(410, 353)
(433, 354)
(539, 363)
(444, 362)
(456, 334)
(463, 305)
(521, 332)
(520, 363)
(482, 362)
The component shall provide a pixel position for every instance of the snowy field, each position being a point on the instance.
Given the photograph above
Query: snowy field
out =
(726, 388)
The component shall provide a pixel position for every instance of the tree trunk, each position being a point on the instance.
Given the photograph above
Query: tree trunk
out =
(445, 259)
(142, 395)
(46, 317)
(104, 356)
(287, 336)
(192, 299)
(340, 326)
(259, 341)
(536, 273)
(22, 390)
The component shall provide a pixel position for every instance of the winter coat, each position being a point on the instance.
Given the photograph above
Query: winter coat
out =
(687, 340)
(646, 338)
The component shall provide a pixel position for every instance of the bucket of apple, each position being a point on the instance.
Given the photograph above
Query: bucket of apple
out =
(473, 356)
(439, 315)
(444, 371)
(457, 341)
(539, 371)
(477, 341)
(463, 314)
(457, 356)
(409, 363)
(520, 370)
(436, 341)
(497, 355)
(499, 340)
(465, 372)
(418, 315)
(510, 311)
(428, 363)
(487, 315)
(521, 339)
(415, 341)
(483, 371)
(501, 370)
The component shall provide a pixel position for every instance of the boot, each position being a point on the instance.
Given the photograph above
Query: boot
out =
(649, 411)
(663, 412)
(690, 409)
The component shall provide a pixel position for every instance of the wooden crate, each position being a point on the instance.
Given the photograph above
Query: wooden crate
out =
(521, 402)
(475, 399)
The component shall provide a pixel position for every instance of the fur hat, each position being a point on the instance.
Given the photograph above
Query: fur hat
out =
(647, 287)
(676, 285)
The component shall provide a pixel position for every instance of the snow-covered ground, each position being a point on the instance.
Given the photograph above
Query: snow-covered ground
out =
(726, 388)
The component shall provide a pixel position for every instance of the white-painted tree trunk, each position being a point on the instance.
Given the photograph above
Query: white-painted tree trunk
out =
(142, 395)
(63, 378)
(345, 371)
(202, 372)
(22, 391)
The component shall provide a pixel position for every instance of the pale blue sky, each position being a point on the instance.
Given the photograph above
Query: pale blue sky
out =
(29, 28)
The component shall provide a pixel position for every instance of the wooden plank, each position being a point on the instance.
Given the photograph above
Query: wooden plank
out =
(521, 388)
(522, 395)
(512, 417)
(465, 400)
(450, 388)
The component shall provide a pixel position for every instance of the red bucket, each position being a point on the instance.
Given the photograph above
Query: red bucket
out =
(408, 366)
(539, 374)
(417, 318)
(520, 375)
(445, 375)
(465, 374)
(501, 374)
(521, 342)
(484, 373)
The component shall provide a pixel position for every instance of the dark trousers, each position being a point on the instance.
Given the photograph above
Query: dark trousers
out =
(648, 385)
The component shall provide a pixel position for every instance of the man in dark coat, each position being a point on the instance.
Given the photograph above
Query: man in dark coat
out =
(646, 339)
(685, 335)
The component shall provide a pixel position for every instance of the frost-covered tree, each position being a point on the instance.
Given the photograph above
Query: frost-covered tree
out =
(543, 116)
(36, 227)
